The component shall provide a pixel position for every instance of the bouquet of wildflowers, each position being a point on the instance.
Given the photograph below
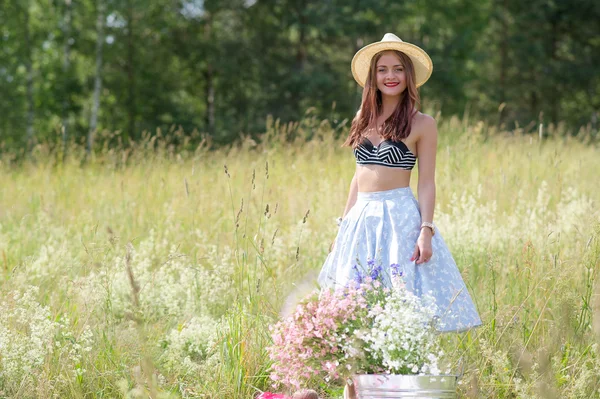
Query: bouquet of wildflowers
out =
(373, 325)
(316, 340)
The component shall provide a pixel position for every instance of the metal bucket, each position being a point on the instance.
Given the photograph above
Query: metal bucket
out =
(379, 386)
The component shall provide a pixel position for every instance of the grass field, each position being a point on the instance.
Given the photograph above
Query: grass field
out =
(149, 273)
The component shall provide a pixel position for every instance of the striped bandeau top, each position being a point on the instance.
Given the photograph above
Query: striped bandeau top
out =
(394, 154)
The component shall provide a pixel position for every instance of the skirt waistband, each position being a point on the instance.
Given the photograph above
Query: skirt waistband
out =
(385, 195)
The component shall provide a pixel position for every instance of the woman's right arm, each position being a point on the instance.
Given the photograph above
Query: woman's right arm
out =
(351, 195)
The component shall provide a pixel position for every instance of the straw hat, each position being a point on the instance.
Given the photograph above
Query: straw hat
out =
(362, 59)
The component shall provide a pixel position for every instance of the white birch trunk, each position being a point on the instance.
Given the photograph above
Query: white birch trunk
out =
(100, 22)
(29, 134)
(66, 70)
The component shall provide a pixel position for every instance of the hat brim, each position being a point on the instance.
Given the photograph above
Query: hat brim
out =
(362, 60)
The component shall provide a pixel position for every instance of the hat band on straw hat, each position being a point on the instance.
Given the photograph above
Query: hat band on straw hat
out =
(361, 62)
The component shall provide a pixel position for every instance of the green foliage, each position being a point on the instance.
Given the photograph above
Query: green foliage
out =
(221, 67)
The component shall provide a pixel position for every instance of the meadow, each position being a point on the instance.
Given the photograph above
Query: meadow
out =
(153, 272)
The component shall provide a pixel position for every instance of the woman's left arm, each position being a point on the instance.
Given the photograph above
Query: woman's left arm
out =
(426, 150)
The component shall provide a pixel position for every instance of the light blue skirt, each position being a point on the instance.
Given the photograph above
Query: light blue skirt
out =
(382, 229)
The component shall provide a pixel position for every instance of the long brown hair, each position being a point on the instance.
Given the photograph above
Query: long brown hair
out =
(398, 125)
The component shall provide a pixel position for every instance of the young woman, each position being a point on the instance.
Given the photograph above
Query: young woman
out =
(383, 224)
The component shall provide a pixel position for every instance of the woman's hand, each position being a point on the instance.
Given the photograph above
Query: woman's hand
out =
(423, 250)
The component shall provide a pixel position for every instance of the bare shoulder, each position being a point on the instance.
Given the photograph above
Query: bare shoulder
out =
(424, 125)
(424, 122)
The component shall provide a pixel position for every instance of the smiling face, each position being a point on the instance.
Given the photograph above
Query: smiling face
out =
(391, 76)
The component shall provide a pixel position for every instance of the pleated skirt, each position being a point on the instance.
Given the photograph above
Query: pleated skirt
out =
(382, 229)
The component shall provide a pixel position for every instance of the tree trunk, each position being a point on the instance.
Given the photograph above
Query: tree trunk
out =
(131, 103)
(555, 91)
(209, 78)
(534, 104)
(66, 28)
(29, 68)
(210, 99)
(301, 50)
(504, 35)
(98, 77)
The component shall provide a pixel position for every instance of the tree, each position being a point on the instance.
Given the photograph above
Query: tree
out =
(100, 24)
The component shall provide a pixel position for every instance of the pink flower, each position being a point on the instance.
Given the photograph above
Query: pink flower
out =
(309, 344)
(328, 366)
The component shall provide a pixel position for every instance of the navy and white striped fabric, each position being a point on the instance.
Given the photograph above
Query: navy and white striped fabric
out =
(394, 154)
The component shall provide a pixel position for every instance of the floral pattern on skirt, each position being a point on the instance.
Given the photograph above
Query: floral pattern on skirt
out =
(384, 226)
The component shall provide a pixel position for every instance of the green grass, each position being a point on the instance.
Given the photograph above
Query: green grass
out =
(177, 264)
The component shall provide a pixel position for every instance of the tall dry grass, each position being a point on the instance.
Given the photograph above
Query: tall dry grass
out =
(155, 271)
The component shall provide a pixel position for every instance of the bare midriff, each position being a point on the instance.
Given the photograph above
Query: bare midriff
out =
(380, 178)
